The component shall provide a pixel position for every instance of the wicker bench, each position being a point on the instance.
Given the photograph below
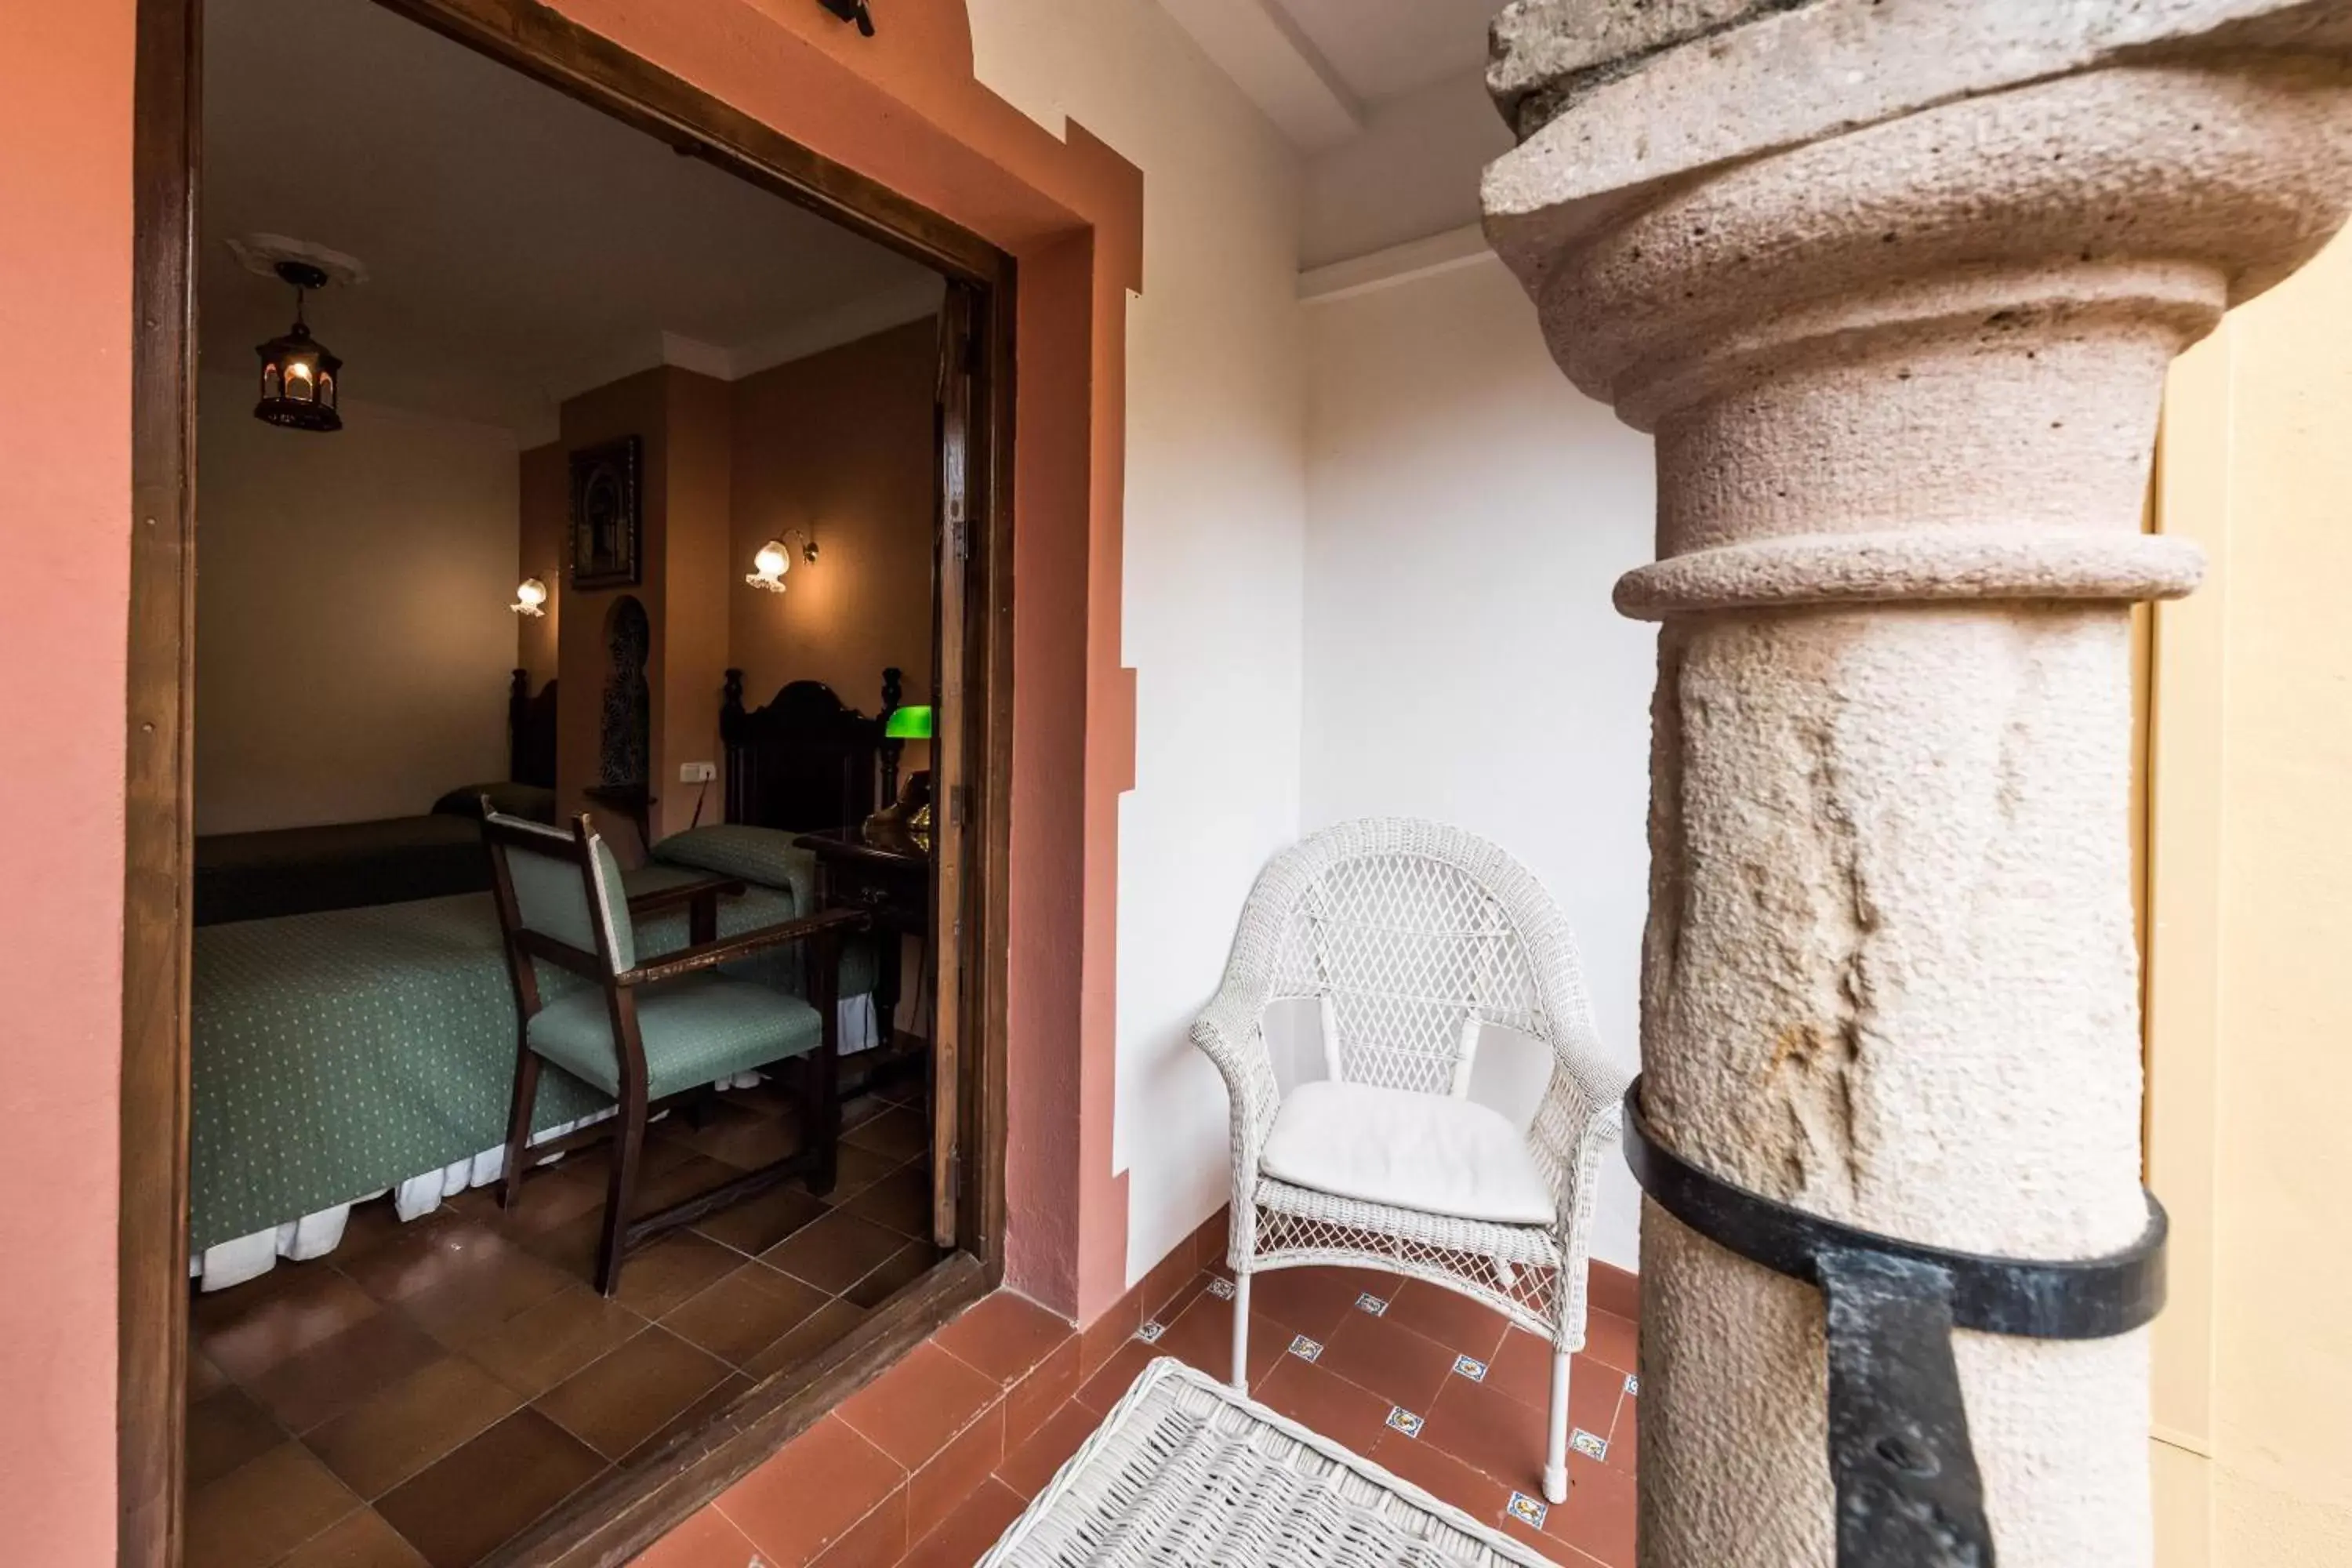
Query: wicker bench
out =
(1185, 1471)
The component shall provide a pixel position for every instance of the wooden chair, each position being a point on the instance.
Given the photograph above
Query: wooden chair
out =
(645, 1031)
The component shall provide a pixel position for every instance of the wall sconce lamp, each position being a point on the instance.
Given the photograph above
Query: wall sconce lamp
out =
(530, 595)
(852, 11)
(773, 559)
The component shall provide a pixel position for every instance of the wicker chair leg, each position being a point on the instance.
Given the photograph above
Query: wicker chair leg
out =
(1241, 1331)
(1555, 1477)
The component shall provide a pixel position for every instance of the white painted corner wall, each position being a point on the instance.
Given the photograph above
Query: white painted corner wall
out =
(1368, 547)
(1467, 511)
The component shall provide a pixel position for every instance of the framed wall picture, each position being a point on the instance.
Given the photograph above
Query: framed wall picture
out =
(607, 519)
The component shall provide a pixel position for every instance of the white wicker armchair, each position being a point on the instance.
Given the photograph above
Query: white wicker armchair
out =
(1410, 935)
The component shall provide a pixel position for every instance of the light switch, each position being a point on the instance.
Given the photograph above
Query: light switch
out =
(697, 772)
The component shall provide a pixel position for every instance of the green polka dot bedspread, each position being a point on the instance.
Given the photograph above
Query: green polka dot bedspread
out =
(335, 1055)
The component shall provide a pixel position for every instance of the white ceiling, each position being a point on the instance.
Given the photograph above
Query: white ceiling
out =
(1322, 69)
(521, 247)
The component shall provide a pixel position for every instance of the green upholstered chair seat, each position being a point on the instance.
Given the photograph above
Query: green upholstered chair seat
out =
(697, 1030)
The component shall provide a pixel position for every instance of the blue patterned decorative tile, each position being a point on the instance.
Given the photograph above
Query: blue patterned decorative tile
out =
(1304, 1349)
(1528, 1509)
(1404, 1421)
(1586, 1444)
(1632, 1386)
(1150, 1331)
(1221, 1287)
(1471, 1367)
(1367, 1302)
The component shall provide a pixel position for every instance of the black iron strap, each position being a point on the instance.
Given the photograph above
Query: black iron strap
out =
(1908, 1493)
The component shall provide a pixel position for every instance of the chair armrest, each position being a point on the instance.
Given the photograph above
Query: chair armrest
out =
(661, 900)
(1231, 1032)
(727, 949)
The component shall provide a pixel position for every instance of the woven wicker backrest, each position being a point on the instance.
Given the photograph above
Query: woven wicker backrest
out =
(1408, 928)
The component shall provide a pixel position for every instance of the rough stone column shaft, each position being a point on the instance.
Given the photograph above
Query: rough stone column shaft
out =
(1894, 286)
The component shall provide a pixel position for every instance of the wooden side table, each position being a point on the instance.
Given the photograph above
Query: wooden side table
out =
(887, 878)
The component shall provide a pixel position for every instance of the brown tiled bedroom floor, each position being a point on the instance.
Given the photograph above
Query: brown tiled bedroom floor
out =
(427, 1391)
(926, 1466)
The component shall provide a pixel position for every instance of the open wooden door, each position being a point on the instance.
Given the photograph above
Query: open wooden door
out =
(950, 796)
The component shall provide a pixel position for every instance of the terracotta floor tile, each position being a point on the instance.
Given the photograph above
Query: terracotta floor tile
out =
(616, 1403)
(1453, 1320)
(203, 1376)
(1612, 1340)
(534, 1351)
(398, 1431)
(897, 1134)
(897, 1271)
(757, 1224)
(1046, 1388)
(1029, 1467)
(1490, 1431)
(877, 1541)
(1165, 1286)
(226, 1429)
(1522, 1369)
(693, 1419)
(1107, 1334)
(361, 1540)
(856, 1169)
(438, 1249)
(334, 1375)
(496, 1288)
(1442, 1475)
(1554, 1550)
(900, 1201)
(971, 1530)
(1003, 1335)
(1203, 1336)
(1399, 1365)
(262, 1509)
(690, 1178)
(820, 1329)
(1114, 1377)
(835, 1252)
(371, 1224)
(1625, 1437)
(708, 1538)
(735, 1123)
(489, 1490)
(672, 1271)
(809, 1494)
(1353, 1417)
(744, 1313)
(1598, 1515)
(1313, 1301)
(548, 1199)
(911, 1410)
(248, 1329)
(941, 1484)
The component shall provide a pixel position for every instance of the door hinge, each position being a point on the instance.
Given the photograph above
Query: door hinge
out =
(959, 803)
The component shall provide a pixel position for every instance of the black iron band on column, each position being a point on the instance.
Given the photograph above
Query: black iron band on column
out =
(1908, 1494)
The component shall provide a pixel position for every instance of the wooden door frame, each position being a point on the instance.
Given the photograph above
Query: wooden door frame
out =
(614, 1520)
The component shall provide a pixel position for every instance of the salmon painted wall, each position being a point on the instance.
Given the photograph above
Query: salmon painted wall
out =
(65, 260)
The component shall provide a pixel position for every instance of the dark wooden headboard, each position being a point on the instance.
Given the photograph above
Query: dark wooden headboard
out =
(806, 761)
(530, 732)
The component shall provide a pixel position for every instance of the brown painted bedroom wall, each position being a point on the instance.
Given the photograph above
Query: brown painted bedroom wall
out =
(839, 442)
(352, 640)
(544, 478)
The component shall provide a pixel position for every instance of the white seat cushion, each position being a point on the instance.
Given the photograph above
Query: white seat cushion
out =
(1424, 1152)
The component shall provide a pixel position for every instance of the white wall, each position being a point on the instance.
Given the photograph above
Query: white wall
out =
(1412, 172)
(1468, 511)
(1215, 519)
(352, 639)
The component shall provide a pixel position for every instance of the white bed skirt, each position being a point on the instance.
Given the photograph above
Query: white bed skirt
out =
(316, 1234)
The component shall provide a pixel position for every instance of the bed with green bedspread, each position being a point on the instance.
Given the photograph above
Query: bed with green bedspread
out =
(336, 1054)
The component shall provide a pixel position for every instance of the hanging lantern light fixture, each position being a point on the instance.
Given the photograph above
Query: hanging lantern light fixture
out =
(299, 374)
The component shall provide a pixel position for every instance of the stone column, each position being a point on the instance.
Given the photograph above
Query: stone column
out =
(1894, 284)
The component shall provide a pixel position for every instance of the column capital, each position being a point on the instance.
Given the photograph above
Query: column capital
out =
(1870, 268)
